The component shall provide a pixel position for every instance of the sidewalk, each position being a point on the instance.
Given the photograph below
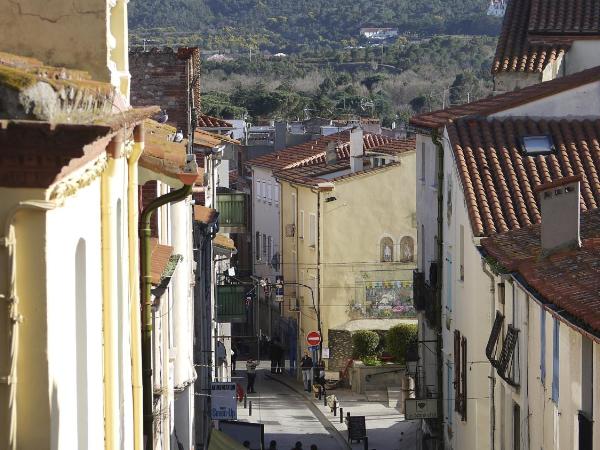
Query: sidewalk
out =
(386, 427)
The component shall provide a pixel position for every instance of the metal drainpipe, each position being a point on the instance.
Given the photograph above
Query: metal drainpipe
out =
(15, 318)
(435, 138)
(146, 299)
(492, 376)
(319, 273)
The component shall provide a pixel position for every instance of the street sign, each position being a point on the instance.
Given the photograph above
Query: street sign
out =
(223, 401)
(420, 408)
(313, 348)
(279, 288)
(313, 338)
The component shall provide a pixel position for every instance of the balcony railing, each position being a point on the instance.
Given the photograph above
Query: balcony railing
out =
(231, 303)
(419, 290)
(232, 209)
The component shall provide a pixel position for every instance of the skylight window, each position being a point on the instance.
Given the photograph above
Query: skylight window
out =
(537, 145)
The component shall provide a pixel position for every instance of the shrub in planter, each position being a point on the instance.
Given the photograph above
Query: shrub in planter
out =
(364, 343)
(372, 361)
(397, 339)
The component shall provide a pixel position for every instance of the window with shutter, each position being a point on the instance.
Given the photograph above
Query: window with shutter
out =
(490, 349)
(257, 245)
(312, 241)
(555, 361)
(505, 362)
(463, 394)
(457, 370)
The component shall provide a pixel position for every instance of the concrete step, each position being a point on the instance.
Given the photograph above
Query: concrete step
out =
(394, 394)
(377, 396)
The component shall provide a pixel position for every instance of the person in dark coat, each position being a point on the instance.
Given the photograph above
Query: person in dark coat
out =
(306, 364)
(276, 356)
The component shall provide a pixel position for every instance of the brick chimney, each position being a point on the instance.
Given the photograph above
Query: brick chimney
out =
(559, 205)
(356, 149)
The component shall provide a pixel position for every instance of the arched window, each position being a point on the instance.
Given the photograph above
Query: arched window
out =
(407, 249)
(386, 250)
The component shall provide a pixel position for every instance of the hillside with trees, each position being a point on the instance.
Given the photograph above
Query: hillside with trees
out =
(294, 25)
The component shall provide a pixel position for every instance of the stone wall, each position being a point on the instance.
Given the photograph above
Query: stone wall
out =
(161, 77)
(340, 349)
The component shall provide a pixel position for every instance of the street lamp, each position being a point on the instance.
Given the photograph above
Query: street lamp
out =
(412, 358)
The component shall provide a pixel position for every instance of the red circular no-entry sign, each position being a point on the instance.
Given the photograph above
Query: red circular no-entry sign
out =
(313, 338)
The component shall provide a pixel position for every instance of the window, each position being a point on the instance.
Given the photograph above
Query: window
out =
(386, 250)
(269, 249)
(555, 362)
(516, 427)
(449, 385)
(543, 346)
(264, 191)
(257, 245)
(423, 159)
(301, 225)
(460, 375)
(264, 246)
(276, 195)
(269, 193)
(258, 194)
(537, 145)
(312, 239)
(461, 261)
(294, 207)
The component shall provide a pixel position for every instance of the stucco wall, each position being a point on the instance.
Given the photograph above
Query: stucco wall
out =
(74, 317)
(582, 55)
(73, 34)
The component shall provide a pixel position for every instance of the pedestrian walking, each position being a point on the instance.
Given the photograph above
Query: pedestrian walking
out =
(276, 356)
(233, 359)
(251, 373)
(306, 364)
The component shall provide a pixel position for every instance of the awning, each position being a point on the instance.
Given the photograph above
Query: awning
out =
(210, 140)
(224, 245)
(220, 441)
(204, 214)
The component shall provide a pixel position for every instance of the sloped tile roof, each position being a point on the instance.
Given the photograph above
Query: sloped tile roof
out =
(499, 181)
(508, 100)
(315, 174)
(159, 259)
(536, 32)
(569, 279)
(313, 152)
(205, 121)
(571, 17)
(514, 52)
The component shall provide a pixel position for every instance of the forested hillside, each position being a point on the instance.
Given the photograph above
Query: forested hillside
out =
(293, 25)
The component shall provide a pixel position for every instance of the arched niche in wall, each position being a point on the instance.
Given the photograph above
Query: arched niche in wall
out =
(386, 249)
(407, 249)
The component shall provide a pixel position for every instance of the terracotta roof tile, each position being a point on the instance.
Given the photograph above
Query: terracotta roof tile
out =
(205, 121)
(499, 181)
(536, 32)
(160, 255)
(209, 140)
(569, 279)
(313, 152)
(204, 214)
(225, 242)
(508, 100)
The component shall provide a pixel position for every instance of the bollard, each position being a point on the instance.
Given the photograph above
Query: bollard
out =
(320, 392)
(250, 408)
(341, 415)
(366, 442)
(334, 408)
(245, 401)
(348, 415)
(324, 400)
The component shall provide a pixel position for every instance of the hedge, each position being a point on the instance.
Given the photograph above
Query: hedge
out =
(397, 339)
(364, 343)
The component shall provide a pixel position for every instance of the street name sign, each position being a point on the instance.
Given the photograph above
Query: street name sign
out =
(420, 408)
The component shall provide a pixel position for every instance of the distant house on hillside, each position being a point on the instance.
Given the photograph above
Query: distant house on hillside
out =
(380, 34)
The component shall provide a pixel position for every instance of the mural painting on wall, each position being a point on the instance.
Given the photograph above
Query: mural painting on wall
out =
(389, 299)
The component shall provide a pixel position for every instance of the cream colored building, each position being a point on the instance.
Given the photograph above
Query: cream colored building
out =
(484, 155)
(69, 279)
(345, 256)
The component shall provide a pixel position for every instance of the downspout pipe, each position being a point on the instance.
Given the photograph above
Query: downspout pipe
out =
(134, 287)
(146, 300)
(15, 318)
(436, 139)
(492, 375)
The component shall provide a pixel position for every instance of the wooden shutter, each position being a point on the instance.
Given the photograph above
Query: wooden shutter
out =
(463, 393)
(457, 370)
(490, 349)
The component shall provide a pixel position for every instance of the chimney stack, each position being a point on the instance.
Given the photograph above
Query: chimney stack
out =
(356, 149)
(559, 205)
(331, 153)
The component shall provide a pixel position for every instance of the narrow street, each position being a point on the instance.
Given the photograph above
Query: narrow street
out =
(288, 416)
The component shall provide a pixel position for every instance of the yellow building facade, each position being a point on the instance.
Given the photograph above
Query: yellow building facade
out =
(341, 239)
